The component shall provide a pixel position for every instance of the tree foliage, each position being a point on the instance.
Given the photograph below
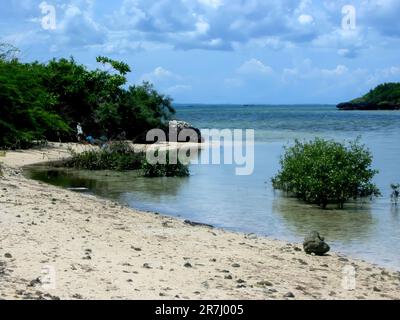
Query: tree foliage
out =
(326, 172)
(47, 100)
(386, 93)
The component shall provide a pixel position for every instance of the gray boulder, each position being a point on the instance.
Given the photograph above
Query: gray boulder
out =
(314, 243)
(192, 133)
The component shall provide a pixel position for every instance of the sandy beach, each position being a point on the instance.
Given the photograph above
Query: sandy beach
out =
(97, 249)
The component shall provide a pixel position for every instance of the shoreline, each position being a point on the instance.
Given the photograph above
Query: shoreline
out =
(99, 249)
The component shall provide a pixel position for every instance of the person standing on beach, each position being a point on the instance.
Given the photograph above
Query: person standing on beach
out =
(79, 132)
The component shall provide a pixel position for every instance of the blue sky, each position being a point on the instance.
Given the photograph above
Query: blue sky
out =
(221, 51)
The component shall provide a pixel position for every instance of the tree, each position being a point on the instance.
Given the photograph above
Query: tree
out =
(146, 108)
(26, 107)
(326, 172)
(47, 100)
(383, 93)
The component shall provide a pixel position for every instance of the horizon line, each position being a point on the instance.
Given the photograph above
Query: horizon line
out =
(253, 104)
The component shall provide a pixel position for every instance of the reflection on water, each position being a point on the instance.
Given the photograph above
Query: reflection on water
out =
(354, 222)
(108, 184)
(213, 194)
(395, 210)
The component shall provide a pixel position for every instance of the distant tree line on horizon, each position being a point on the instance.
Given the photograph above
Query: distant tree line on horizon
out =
(46, 101)
(384, 93)
(385, 96)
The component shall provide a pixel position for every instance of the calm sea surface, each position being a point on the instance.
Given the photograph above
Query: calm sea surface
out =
(214, 194)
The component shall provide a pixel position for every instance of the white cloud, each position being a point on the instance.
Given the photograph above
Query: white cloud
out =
(202, 27)
(305, 19)
(306, 71)
(159, 74)
(254, 66)
(347, 53)
(338, 71)
(389, 74)
(202, 24)
(179, 88)
(346, 42)
(273, 43)
(212, 3)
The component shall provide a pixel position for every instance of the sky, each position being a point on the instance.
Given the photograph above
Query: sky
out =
(221, 51)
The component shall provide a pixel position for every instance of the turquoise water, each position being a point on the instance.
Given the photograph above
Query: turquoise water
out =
(214, 194)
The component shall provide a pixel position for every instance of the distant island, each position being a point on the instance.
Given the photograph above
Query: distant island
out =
(384, 97)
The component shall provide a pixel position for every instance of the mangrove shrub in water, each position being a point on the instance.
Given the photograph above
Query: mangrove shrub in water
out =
(167, 169)
(117, 156)
(121, 156)
(326, 172)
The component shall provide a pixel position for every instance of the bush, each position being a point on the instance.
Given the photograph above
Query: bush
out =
(117, 156)
(165, 170)
(326, 172)
(120, 156)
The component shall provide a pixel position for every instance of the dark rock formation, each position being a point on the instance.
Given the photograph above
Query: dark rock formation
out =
(187, 133)
(190, 133)
(314, 243)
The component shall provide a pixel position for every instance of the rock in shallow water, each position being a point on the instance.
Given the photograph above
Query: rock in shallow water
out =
(314, 243)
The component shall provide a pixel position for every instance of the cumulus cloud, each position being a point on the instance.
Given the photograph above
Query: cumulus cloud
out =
(347, 43)
(347, 53)
(212, 3)
(338, 71)
(167, 81)
(377, 76)
(77, 27)
(254, 67)
(215, 24)
(305, 19)
(158, 75)
(307, 71)
(75, 24)
(177, 89)
(381, 15)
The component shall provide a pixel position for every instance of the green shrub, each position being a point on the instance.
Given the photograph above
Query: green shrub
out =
(120, 156)
(168, 169)
(117, 156)
(326, 172)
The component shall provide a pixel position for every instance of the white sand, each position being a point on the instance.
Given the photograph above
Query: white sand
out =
(100, 250)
